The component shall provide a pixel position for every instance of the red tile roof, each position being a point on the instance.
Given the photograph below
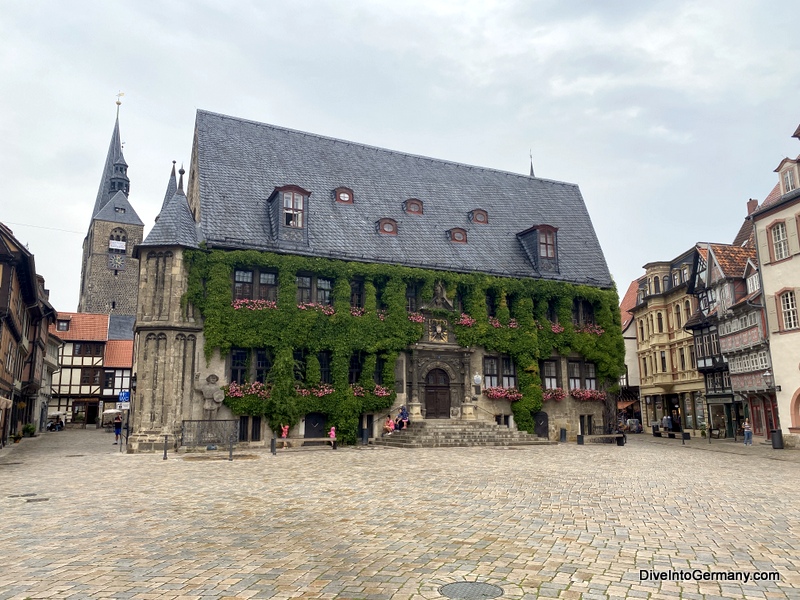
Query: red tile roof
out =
(119, 354)
(773, 196)
(82, 327)
(628, 302)
(732, 260)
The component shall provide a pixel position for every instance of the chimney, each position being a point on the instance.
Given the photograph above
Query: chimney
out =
(752, 205)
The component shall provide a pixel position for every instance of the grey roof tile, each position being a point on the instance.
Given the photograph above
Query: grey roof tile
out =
(118, 210)
(175, 225)
(120, 327)
(240, 163)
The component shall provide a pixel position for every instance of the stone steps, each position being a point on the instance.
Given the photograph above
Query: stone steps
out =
(453, 434)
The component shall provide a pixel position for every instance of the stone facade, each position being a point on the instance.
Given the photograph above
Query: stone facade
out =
(110, 281)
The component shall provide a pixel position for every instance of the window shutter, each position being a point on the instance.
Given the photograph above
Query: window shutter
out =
(763, 246)
(791, 233)
(772, 314)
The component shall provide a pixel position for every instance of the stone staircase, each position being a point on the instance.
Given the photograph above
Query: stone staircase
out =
(449, 434)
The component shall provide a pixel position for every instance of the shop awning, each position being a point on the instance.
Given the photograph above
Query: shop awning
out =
(623, 404)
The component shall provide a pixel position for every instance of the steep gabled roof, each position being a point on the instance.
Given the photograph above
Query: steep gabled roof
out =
(118, 210)
(732, 260)
(627, 304)
(175, 225)
(772, 197)
(120, 327)
(239, 164)
(172, 187)
(118, 354)
(89, 327)
(113, 157)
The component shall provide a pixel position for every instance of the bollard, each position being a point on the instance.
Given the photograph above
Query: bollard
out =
(365, 437)
(165, 447)
(272, 447)
(230, 450)
(563, 438)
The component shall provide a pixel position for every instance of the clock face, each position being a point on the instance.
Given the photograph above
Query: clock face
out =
(116, 261)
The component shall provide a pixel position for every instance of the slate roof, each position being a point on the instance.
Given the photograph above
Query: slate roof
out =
(732, 260)
(175, 225)
(110, 211)
(120, 327)
(172, 187)
(113, 157)
(239, 164)
(628, 303)
(89, 327)
(118, 354)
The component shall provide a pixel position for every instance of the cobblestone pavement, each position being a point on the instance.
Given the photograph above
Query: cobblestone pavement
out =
(81, 520)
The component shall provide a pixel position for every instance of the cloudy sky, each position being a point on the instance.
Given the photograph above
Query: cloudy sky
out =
(668, 114)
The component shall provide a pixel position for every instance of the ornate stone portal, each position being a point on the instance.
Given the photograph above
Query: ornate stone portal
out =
(439, 372)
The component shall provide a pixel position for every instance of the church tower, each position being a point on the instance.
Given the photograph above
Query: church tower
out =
(109, 272)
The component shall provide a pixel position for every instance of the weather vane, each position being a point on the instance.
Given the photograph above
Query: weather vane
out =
(119, 102)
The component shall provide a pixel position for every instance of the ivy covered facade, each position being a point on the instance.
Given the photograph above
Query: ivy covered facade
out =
(315, 283)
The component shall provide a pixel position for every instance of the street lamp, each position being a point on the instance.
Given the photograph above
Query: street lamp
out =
(769, 379)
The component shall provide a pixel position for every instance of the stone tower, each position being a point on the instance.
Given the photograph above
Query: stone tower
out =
(109, 272)
(169, 333)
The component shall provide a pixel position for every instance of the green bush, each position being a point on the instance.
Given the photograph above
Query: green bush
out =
(28, 429)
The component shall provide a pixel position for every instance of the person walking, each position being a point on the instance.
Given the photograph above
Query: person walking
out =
(748, 433)
(117, 428)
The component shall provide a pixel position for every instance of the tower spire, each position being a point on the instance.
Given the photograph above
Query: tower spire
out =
(115, 172)
(531, 155)
(180, 182)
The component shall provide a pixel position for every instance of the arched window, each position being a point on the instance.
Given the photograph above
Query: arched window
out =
(387, 226)
(117, 241)
(678, 323)
(687, 309)
(656, 285)
(660, 321)
(641, 330)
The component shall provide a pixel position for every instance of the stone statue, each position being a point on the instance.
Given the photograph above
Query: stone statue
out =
(440, 297)
(212, 395)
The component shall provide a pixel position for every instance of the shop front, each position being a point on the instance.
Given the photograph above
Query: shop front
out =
(763, 414)
(725, 417)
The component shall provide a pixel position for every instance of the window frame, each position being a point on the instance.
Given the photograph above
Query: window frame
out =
(238, 365)
(778, 248)
(550, 381)
(386, 226)
(242, 289)
(294, 210)
(491, 371)
(787, 309)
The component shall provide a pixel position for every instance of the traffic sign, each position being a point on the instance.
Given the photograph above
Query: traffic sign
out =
(124, 396)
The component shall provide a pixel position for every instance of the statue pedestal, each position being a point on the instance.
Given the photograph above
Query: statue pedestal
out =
(415, 411)
(468, 411)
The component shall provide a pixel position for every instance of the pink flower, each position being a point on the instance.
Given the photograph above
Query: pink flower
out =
(381, 391)
(513, 324)
(494, 322)
(253, 304)
(557, 394)
(416, 318)
(465, 320)
(556, 328)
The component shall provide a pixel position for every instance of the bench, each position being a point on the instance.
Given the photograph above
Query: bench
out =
(288, 441)
(714, 433)
(619, 437)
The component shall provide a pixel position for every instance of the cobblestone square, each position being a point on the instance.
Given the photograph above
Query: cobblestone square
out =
(82, 520)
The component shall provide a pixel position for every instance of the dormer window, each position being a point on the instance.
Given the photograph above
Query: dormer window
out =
(343, 195)
(540, 243)
(789, 182)
(413, 206)
(387, 226)
(62, 325)
(457, 235)
(293, 199)
(479, 216)
(547, 241)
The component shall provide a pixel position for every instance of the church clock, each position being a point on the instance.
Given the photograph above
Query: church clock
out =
(116, 261)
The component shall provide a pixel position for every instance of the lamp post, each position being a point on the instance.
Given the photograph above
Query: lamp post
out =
(130, 409)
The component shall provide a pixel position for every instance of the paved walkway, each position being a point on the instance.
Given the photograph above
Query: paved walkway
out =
(81, 520)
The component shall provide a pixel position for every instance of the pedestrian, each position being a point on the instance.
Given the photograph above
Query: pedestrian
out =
(748, 433)
(117, 428)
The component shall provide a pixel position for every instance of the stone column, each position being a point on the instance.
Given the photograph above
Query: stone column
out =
(414, 407)
(467, 405)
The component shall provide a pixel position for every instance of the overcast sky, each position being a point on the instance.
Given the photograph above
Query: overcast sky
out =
(669, 115)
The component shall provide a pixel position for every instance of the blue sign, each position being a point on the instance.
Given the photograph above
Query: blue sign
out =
(125, 396)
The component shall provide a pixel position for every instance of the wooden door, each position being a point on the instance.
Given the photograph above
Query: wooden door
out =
(437, 395)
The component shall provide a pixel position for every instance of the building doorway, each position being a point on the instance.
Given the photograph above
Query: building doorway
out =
(315, 427)
(541, 424)
(437, 395)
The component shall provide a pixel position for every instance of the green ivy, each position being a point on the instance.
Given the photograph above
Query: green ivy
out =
(286, 328)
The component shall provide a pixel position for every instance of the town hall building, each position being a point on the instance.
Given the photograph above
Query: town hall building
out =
(313, 282)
